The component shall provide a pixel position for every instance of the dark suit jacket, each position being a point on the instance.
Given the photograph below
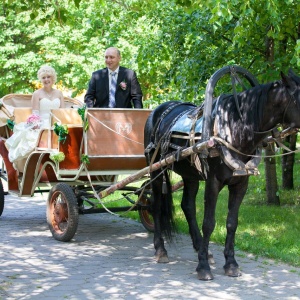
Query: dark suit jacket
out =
(97, 94)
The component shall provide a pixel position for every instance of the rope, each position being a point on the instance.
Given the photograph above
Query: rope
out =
(96, 194)
(237, 151)
(138, 190)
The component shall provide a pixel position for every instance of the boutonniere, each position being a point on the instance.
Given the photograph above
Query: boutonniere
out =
(123, 85)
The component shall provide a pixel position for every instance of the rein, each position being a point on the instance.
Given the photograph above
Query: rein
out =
(283, 134)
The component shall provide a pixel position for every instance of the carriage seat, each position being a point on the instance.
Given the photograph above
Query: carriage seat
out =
(21, 114)
(68, 116)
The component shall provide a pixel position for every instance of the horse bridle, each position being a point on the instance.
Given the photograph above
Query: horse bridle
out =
(276, 134)
(291, 98)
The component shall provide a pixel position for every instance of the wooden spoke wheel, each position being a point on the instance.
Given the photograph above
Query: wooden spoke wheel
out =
(62, 212)
(145, 211)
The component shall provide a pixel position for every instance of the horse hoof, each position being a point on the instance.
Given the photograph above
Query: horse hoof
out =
(162, 258)
(205, 275)
(232, 272)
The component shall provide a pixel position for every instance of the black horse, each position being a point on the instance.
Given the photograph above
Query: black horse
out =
(240, 130)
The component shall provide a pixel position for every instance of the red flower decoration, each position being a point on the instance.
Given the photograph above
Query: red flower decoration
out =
(123, 85)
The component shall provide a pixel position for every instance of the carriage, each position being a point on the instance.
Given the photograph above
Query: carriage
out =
(81, 158)
(99, 146)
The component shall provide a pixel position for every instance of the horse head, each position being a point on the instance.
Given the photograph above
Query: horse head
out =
(291, 82)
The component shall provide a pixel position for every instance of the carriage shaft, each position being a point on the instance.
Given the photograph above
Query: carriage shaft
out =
(197, 148)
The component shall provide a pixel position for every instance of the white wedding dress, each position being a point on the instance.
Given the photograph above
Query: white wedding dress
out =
(24, 139)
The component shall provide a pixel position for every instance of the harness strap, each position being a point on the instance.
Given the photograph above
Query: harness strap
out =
(234, 77)
(185, 137)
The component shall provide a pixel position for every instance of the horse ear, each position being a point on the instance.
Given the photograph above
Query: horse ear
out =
(288, 82)
(294, 76)
(291, 72)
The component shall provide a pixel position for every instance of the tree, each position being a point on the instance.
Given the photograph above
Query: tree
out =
(72, 44)
(276, 21)
(287, 162)
(175, 46)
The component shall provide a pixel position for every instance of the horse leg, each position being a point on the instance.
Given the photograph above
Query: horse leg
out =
(212, 189)
(188, 205)
(161, 254)
(236, 195)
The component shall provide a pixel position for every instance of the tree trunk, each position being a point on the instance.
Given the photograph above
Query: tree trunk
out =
(270, 48)
(270, 162)
(287, 163)
(271, 177)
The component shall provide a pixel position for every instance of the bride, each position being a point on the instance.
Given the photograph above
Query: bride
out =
(24, 139)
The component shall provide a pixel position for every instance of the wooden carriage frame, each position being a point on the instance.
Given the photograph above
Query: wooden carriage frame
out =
(106, 144)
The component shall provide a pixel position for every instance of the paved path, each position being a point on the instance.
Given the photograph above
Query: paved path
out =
(112, 258)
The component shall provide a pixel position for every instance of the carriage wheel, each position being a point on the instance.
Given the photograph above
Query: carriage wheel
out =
(145, 214)
(1, 197)
(62, 212)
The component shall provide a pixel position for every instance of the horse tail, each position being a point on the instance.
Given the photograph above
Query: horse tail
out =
(167, 222)
(162, 205)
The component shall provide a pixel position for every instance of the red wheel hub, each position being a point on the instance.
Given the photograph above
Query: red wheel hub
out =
(60, 212)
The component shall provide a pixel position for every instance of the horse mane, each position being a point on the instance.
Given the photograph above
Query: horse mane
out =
(251, 104)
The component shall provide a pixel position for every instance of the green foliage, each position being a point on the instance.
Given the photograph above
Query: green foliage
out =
(62, 131)
(175, 46)
(81, 112)
(57, 157)
(84, 159)
(10, 124)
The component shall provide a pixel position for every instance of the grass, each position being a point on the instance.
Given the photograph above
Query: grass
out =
(264, 230)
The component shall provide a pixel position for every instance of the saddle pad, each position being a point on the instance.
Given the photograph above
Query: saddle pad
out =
(184, 124)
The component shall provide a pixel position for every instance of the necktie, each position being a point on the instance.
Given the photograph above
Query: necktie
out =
(112, 91)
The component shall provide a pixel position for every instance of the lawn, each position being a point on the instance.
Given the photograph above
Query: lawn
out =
(264, 230)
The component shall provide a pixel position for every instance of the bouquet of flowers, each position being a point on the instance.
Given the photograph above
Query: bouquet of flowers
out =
(34, 121)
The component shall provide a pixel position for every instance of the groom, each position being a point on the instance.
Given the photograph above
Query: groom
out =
(114, 86)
